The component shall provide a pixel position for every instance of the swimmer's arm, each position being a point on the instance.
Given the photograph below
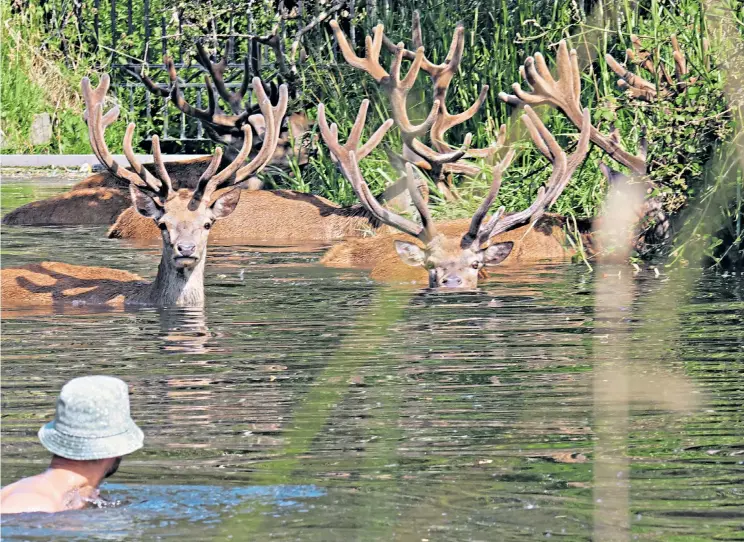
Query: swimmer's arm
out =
(18, 503)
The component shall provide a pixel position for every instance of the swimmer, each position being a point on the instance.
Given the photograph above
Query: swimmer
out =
(91, 432)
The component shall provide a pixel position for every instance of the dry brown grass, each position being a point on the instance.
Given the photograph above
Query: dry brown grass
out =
(42, 66)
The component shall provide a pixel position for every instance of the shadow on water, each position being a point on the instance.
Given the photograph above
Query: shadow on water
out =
(392, 414)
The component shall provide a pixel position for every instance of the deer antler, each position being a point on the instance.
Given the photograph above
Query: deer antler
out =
(373, 45)
(441, 77)
(397, 89)
(162, 186)
(217, 71)
(97, 124)
(477, 232)
(640, 88)
(212, 115)
(273, 116)
(565, 94)
(438, 121)
(563, 169)
(221, 127)
(347, 157)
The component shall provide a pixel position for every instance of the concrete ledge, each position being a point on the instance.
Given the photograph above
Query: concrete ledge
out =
(77, 160)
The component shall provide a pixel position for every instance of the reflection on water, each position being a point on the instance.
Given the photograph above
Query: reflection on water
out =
(184, 329)
(19, 191)
(402, 415)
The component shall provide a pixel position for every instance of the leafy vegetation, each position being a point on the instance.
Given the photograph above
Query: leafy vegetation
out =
(38, 77)
(693, 142)
(33, 83)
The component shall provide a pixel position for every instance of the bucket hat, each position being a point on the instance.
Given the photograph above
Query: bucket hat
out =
(92, 421)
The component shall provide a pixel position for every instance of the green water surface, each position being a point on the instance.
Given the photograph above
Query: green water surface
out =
(304, 403)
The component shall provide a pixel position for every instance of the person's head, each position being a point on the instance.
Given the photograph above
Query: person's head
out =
(92, 424)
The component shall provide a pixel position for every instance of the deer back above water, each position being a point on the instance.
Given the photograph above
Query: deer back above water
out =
(544, 240)
(276, 216)
(98, 199)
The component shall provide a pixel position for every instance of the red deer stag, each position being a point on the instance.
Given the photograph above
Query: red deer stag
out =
(184, 218)
(454, 254)
(102, 197)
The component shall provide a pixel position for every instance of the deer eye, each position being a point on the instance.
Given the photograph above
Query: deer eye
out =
(207, 225)
(475, 265)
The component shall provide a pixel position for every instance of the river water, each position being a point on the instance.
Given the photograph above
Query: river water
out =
(304, 403)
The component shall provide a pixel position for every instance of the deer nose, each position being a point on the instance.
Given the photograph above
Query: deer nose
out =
(186, 249)
(452, 281)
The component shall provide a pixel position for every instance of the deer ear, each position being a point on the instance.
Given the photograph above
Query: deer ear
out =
(613, 177)
(299, 124)
(145, 203)
(226, 203)
(497, 253)
(411, 254)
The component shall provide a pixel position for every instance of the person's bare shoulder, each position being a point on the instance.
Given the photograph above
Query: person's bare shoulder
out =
(20, 497)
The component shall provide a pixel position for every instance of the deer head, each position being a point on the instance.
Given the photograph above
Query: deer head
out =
(184, 217)
(450, 262)
(184, 231)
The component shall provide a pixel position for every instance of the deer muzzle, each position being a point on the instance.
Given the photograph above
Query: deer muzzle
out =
(451, 281)
(185, 255)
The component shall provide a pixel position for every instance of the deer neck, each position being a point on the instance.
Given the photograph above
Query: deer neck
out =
(178, 286)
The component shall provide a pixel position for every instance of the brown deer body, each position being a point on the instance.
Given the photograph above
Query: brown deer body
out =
(184, 218)
(261, 215)
(57, 285)
(545, 240)
(269, 215)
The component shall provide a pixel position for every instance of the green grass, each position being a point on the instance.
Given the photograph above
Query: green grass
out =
(24, 94)
(38, 78)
